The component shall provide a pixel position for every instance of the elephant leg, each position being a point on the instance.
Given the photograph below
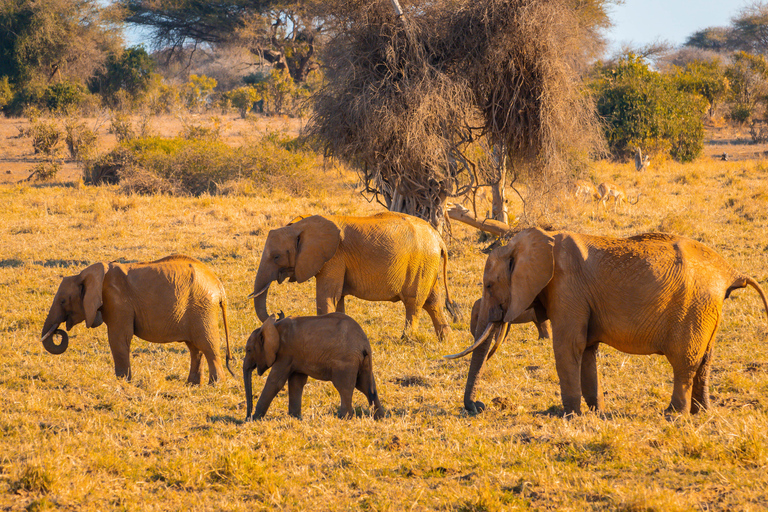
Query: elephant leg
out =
(278, 376)
(196, 358)
(434, 308)
(328, 293)
(700, 393)
(590, 379)
(366, 384)
(344, 381)
(296, 384)
(215, 369)
(682, 389)
(411, 315)
(120, 345)
(545, 329)
(569, 344)
(340, 305)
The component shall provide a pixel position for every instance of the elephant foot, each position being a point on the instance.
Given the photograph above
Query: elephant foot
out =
(474, 408)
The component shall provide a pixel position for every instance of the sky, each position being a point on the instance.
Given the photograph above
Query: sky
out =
(640, 22)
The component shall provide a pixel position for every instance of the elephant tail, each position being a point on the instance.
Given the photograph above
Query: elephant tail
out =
(742, 282)
(451, 306)
(369, 384)
(223, 304)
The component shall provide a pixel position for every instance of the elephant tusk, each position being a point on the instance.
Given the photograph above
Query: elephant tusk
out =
(253, 295)
(476, 344)
(50, 331)
(499, 340)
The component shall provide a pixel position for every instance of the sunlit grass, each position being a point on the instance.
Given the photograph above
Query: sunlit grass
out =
(72, 436)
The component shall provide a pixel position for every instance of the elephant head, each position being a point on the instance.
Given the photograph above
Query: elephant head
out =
(77, 299)
(260, 354)
(297, 252)
(514, 276)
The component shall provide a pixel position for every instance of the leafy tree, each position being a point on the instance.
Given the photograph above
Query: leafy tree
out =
(643, 108)
(706, 78)
(283, 33)
(129, 71)
(712, 38)
(750, 29)
(748, 76)
(54, 39)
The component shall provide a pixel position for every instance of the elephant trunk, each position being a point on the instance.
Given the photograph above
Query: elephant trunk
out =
(479, 356)
(51, 328)
(56, 316)
(247, 374)
(264, 278)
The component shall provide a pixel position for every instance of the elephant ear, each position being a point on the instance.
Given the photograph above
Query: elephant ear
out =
(316, 243)
(92, 279)
(533, 260)
(271, 339)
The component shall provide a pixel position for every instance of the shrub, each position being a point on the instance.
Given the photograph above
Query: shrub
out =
(6, 93)
(243, 99)
(194, 166)
(122, 127)
(63, 96)
(198, 91)
(130, 71)
(45, 136)
(80, 140)
(643, 108)
(44, 171)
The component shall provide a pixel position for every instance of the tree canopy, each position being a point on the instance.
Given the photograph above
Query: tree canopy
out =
(283, 33)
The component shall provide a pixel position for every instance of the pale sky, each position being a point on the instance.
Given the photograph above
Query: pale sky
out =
(640, 22)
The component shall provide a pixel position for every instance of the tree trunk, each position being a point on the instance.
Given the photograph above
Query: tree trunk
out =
(498, 189)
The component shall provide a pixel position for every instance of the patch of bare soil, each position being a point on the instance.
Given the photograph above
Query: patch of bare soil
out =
(732, 143)
(18, 158)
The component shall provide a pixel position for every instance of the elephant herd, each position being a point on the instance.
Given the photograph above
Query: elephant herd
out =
(654, 293)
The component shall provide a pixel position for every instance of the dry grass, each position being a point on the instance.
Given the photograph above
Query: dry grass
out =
(74, 437)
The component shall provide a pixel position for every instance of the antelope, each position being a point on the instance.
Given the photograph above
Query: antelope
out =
(608, 190)
(585, 189)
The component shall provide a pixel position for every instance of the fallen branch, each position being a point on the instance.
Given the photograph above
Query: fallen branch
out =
(458, 212)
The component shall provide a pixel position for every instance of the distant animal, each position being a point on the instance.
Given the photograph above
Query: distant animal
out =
(641, 161)
(585, 189)
(328, 347)
(724, 157)
(172, 299)
(653, 293)
(608, 191)
(385, 257)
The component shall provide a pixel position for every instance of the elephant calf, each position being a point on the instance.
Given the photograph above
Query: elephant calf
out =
(329, 347)
(172, 299)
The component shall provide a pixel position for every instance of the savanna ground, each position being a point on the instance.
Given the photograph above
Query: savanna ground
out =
(74, 437)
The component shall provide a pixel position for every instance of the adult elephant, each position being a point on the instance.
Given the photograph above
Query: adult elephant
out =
(384, 257)
(648, 294)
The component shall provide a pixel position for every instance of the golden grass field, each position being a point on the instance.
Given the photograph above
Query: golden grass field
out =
(74, 437)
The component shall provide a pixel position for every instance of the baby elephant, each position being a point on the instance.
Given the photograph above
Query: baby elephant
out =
(173, 299)
(329, 347)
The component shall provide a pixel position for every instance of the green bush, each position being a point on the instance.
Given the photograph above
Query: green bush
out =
(63, 96)
(6, 93)
(243, 99)
(195, 166)
(642, 108)
(129, 72)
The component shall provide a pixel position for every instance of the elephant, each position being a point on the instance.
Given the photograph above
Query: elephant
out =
(171, 299)
(654, 293)
(384, 257)
(328, 347)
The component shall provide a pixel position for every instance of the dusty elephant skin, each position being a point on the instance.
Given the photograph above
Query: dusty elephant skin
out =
(384, 257)
(176, 298)
(648, 294)
(329, 347)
